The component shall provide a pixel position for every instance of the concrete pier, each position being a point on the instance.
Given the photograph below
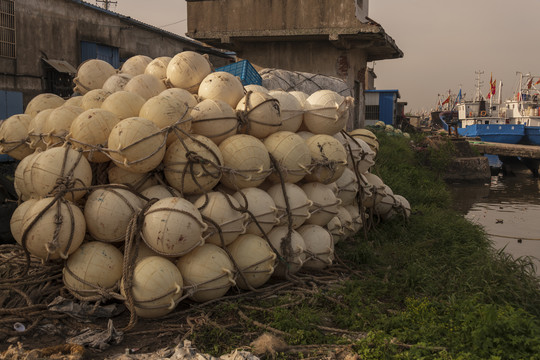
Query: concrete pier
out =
(525, 151)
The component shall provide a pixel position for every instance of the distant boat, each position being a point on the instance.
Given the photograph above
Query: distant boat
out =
(487, 119)
(478, 119)
(524, 108)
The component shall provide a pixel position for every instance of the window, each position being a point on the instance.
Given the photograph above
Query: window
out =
(7, 28)
(372, 112)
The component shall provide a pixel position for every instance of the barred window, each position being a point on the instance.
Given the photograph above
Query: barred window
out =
(372, 112)
(7, 28)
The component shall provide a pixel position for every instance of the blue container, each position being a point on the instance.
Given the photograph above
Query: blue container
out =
(245, 71)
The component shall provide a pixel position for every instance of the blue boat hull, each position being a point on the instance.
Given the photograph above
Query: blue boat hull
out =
(532, 135)
(503, 133)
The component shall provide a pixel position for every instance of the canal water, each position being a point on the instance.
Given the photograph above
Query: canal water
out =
(508, 208)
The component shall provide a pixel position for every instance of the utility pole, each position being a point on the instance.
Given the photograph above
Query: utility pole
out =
(106, 3)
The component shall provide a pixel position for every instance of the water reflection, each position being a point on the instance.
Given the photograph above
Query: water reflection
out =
(509, 210)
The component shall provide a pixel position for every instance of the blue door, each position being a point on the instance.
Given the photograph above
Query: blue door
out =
(11, 103)
(386, 106)
(90, 50)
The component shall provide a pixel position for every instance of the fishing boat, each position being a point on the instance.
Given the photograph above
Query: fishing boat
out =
(487, 119)
(524, 108)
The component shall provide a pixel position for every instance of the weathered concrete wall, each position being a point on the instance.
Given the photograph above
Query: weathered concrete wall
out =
(473, 169)
(259, 15)
(55, 28)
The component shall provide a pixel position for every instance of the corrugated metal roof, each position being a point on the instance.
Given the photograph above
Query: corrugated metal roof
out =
(61, 66)
(129, 19)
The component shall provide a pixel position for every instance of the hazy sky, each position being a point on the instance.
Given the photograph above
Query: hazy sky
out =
(444, 42)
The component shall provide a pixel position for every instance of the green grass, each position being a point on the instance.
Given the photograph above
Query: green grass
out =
(430, 287)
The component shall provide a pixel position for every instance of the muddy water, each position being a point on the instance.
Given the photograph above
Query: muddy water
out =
(509, 210)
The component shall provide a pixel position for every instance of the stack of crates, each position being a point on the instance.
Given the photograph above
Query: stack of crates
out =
(245, 71)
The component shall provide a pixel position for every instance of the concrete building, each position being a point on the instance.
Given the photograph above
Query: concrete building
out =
(43, 42)
(330, 37)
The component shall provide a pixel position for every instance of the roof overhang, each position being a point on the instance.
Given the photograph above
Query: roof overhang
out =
(372, 38)
(61, 66)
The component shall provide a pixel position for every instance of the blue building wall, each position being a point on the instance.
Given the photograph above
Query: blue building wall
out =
(387, 104)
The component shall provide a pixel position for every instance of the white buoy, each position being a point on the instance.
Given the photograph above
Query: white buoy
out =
(167, 111)
(158, 67)
(368, 136)
(135, 65)
(94, 98)
(319, 246)
(43, 102)
(346, 222)
(136, 144)
(91, 75)
(193, 165)
(74, 100)
(326, 112)
(347, 187)
(95, 266)
(90, 131)
(157, 287)
(19, 182)
(335, 229)
(123, 104)
(359, 154)
(292, 155)
(357, 221)
(254, 258)
(263, 208)
(373, 188)
(298, 202)
(145, 85)
(13, 135)
(60, 168)
(246, 161)
(214, 119)
(221, 209)
(36, 130)
(108, 212)
(292, 111)
(291, 250)
(221, 85)
(54, 229)
(329, 159)
(259, 114)
(160, 192)
(254, 88)
(324, 203)
(138, 181)
(173, 227)
(187, 69)
(58, 123)
(208, 272)
(16, 221)
(116, 82)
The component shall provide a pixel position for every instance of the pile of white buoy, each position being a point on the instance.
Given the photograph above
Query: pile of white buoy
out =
(166, 180)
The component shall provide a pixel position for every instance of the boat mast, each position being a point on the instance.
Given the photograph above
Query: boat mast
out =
(478, 94)
(500, 92)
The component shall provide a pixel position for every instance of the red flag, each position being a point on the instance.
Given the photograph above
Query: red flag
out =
(538, 82)
(446, 101)
(492, 87)
(529, 84)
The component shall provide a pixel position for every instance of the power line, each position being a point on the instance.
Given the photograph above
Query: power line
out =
(176, 22)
